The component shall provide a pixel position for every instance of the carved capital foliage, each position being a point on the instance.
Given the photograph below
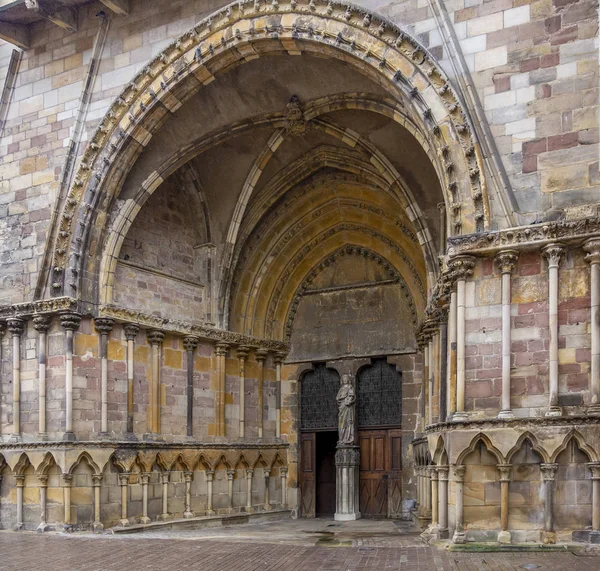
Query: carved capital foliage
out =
(548, 472)
(507, 261)
(553, 254)
(249, 472)
(242, 352)
(131, 330)
(283, 470)
(432, 472)
(261, 355)
(190, 343)
(592, 247)
(347, 456)
(210, 474)
(279, 358)
(155, 336)
(41, 323)
(124, 478)
(221, 349)
(70, 321)
(504, 472)
(459, 472)
(2, 328)
(187, 476)
(103, 325)
(594, 468)
(97, 479)
(230, 474)
(461, 267)
(67, 480)
(16, 326)
(443, 473)
(43, 480)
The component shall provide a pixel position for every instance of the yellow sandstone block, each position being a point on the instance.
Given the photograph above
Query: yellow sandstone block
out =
(228, 398)
(85, 343)
(173, 359)
(566, 356)
(116, 350)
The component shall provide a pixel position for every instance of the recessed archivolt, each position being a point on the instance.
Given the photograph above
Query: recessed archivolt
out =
(346, 250)
(234, 35)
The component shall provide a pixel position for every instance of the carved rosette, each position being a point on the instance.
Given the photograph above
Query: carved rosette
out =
(70, 321)
(347, 456)
(592, 247)
(459, 472)
(131, 330)
(103, 325)
(190, 343)
(155, 336)
(16, 327)
(41, 323)
(507, 261)
(504, 472)
(548, 472)
(553, 254)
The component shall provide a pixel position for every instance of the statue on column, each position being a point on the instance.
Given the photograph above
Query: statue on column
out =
(346, 399)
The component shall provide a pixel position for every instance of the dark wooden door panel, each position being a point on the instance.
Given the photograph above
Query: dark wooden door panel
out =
(395, 474)
(308, 475)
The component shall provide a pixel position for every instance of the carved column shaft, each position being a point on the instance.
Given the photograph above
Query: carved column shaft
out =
(104, 327)
(210, 474)
(278, 363)
(190, 343)
(553, 254)
(595, 472)
(592, 247)
(188, 495)
(505, 476)
(67, 481)
(434, 496)
(70, 322)
(155, 339)
(443, 496)
(97, 480)
(242, 355)
(452, 355)
(267, 474)
(283, 471)
(20, 478)
(347, 462)
(249, 473)
(124, 482)
(145, 478)
(431, 380)
(548, 474)
(221, 351)
(459, 475)
(261, 356)
(165, 496)
(230, 475)
(131, 332)
(41, 324)
(506, 261)
(16, 327)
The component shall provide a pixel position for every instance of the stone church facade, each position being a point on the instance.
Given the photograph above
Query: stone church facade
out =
(212, 213)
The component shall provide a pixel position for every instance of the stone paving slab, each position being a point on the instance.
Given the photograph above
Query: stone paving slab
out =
(289, 546)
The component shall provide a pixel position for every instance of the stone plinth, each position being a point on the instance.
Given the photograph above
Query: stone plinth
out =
(347, 464)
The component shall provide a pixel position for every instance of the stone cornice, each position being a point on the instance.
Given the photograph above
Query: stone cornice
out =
(529, 237)
(42, 306)
(490, 423)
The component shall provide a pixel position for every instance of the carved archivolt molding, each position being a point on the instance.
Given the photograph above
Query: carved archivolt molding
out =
(345, 31)
(347, 250)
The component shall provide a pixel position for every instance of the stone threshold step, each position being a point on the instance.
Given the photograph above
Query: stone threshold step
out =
(481, 547)
(200, 522)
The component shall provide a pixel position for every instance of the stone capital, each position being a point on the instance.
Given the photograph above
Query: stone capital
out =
(505, 472)
(261, 355)
(124, 478)
(16, 326)
(164, 477)
(221, 349)
(242, 352)
(131, 330)
(155, 336)
(443, 473)
(459, 472)
(432, 473)
(461, 267)
(70, 321)
(190, 342)
(283, 470)
(97, 479)
(548, 471)
(267, 472)
(553, 254)
(230, 474)
(20, 478)
(67, 480)
(249, 472)
(279, 357)
(507, 261)
(43, 480)
(594, 468)
(187, 476)
(41, 323)
(103, 325)
(210, 474)
(592, 247)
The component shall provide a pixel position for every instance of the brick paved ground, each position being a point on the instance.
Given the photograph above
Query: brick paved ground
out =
(265, 548)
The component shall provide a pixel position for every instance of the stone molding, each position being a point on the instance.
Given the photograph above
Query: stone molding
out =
(44, 306)
(494, 422)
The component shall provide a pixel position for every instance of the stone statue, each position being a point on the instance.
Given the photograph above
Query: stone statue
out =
(346, 402)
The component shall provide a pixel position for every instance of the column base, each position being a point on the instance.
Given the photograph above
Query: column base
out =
(250, 509)
(187, 515)
(18, 527)
(69, 436)
(210, 512)
(144, 520)
(15, 438)
(97, 527)
(43, 436)
(504, 537)
(506, 414)
(164, 517)
(548, 537)
(594, 409)
(459, 537)
(103, 435)
(268, 507)
(441, 533)
(130, 436)
(43, 527)
(124, 523)
(347, 517)
(460, 416)
(554, 411)
(67, 528)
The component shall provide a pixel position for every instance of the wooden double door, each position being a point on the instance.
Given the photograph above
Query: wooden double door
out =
(380, 473)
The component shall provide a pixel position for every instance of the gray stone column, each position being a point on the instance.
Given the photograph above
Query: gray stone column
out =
(553, 254)
(242, 355)
(145, 479)
(96, 482)
(210, 474)
(67, 482)
(187, 513)
(249, 474)
(443, 501)
(230, 475)
(220, 421)
(432, 530)
(283, 471)
(506, 262)
(43, 479)
(452, 355)
(19, 525)
(267, 475)
(505, 477)
(104, 327)
(16, 327)
(459, 529)
(595, 472)
(131, 330)
(592, 247)
(190, 343)
(124, 482)
(165, 515)
(70, 323)
(347, 461)
(261, 356)
(548, 473)
(278, 358)
(155, 339)
(41, 323)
